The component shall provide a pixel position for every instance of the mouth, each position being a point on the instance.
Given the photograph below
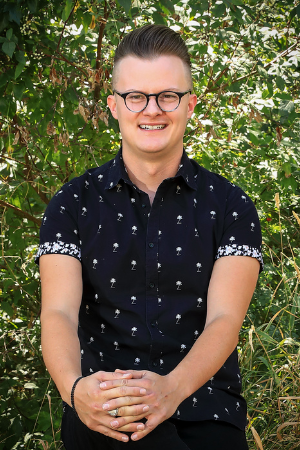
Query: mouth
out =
(152, 127)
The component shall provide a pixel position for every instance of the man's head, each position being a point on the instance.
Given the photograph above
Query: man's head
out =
(151, 41)
(152, 98)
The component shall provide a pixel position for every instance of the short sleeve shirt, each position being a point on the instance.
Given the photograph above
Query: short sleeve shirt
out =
(146, 270)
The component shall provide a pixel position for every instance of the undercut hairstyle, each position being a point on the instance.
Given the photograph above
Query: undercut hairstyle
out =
(152, 41)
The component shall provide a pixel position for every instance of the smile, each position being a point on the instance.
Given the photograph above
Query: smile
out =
(152, 127)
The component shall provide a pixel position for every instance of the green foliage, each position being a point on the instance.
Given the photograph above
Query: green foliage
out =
(55, 72)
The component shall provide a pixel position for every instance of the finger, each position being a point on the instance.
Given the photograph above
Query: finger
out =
(124, 401)
(130, 423)
(134, 373)
(105, 376)
(139, 383)
(123, 387)
(111, 433)
(134, 410)
(149, 426)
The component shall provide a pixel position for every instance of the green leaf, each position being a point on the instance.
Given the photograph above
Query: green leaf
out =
(158, 19)
(18, 90)
(20, 57)
(286, 107)
(168, 4)
(219, 10)
(280, 83)
(200, 6)
(3, 80)
(6, 307)
(287, 169)
(262, 71)
(9, 34)
(9, 47)
(19, 70)
(253, 136)
(86, 20)
(238, 15)
(126, 4)
(113, 123)
(32, 5)
(67, 10)
(4, 22)
(71, 96)
(15, 14)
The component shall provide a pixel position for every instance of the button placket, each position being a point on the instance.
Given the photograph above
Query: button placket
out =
(152, 274)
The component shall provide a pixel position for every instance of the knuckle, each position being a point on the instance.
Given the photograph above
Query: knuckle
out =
(89, 423)
(123, 390)
(121, 411)
(147, 384)
(105, 431)
(94, 392)
(94, 409)
(150, 426)
(124, 382)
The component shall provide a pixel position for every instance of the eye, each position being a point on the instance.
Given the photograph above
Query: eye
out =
(168, 96)
(136, 97)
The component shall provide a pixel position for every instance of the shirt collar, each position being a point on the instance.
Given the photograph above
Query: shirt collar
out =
(186, 171)
(117, 172)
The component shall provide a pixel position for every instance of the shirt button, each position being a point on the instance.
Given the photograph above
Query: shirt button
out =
(151, 245)
(151, 285)
(154, 323)
(143, 205)
(155, 363)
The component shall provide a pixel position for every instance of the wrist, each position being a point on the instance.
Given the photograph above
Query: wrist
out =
(66, 388)
(177, 386)
(73, 392)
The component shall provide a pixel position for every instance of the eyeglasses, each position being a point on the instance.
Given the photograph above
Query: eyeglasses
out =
(167, 101)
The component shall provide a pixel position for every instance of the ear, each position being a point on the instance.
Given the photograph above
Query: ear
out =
(112, 104)
(191, 105)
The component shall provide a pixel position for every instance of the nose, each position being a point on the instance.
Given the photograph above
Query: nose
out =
(152, 108)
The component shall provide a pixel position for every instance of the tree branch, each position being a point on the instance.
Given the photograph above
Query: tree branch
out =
(253, 72)
(21, 213)
(99, 48)
(65, 23)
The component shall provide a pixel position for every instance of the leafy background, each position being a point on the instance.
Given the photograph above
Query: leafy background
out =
(55, 70)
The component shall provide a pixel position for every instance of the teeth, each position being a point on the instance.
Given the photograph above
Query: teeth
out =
(152, 127)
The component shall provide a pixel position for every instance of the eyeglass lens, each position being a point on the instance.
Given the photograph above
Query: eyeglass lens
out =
(167, 101)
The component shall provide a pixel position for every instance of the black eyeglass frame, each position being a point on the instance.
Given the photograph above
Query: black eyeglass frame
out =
(180, 95)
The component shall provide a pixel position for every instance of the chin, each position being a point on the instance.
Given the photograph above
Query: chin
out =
(149, 149)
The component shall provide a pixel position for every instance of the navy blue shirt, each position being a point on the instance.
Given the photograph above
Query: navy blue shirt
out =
(146, 270)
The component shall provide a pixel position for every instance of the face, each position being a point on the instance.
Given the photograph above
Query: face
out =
(167, 128)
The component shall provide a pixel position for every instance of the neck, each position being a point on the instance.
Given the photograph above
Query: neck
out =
(148, 174)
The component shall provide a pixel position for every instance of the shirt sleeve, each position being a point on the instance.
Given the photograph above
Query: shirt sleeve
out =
(241, 233)
(59, 232)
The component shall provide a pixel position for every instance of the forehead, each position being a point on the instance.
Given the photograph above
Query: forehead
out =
(151, 75)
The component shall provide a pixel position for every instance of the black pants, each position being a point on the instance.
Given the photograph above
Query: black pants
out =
(172, 434)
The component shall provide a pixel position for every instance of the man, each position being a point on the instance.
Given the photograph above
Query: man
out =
(159, 259)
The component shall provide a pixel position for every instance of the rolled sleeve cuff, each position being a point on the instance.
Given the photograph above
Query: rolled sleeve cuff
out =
(240, 250)
(60, 248)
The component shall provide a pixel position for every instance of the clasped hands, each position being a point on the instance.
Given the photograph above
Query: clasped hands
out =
(136, 394)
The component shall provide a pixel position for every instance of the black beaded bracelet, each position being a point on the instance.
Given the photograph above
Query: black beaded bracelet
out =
(72, 394)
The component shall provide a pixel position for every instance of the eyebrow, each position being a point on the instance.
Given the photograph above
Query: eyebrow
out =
(139, 90)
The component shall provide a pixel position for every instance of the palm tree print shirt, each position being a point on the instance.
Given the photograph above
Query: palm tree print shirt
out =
(146, 270)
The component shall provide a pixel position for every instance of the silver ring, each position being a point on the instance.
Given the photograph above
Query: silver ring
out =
(113, 412)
